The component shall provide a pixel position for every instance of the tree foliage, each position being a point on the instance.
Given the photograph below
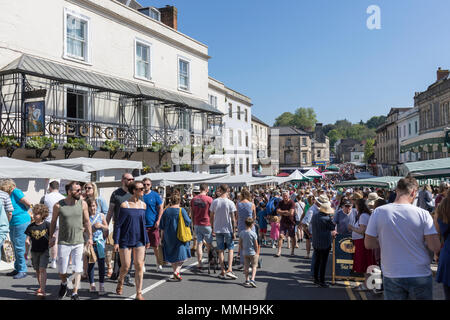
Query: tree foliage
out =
(302, 118)
(369, 149)
(375, 122)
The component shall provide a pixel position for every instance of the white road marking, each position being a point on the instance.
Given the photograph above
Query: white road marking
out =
(160, 282)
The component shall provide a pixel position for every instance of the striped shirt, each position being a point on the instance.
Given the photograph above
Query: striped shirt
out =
(6, 200)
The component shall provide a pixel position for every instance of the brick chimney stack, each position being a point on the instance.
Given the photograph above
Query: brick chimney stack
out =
(442, 74)
(169, 15)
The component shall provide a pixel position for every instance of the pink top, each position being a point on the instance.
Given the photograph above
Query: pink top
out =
(274, 230)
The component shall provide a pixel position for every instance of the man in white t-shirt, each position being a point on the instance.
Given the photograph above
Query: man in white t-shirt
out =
(50, 199)
(403, 232)
(222, 218)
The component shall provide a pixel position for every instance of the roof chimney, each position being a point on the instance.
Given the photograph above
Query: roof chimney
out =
(442, 74)
(169, 15)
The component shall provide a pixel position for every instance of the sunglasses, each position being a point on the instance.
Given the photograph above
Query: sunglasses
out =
(87, 188)
(130, 179)
(77, 191)
(140, 189)
(147, 184)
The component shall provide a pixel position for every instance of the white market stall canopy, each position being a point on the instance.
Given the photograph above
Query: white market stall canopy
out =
(95, 164)
(379, 182)
(297, 176)
(438, 168)
(241, 181)
(313, 174)
(16, 169)
(177, 178)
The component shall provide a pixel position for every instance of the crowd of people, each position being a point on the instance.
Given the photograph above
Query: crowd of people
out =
(402, 231)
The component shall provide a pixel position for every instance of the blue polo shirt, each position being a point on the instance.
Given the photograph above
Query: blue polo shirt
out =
(153, 201)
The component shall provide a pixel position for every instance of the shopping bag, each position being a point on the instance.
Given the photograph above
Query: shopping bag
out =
(8, 251)
(183, 233)
(116, 268)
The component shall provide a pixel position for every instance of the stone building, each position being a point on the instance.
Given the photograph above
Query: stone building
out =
(299, 149)
(434, 119)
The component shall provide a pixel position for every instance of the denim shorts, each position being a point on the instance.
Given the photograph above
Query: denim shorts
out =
(223, 239)
(203, 232)
(137, 245)
(417, 288)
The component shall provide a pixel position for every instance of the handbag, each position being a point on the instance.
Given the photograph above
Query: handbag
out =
(116, 267)
(8, 251)
(183, 233)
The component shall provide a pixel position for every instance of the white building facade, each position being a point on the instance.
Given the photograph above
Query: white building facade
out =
(408, 129)
(236, 139)
(103, 71)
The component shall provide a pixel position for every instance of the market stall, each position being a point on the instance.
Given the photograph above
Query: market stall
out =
(104, 172)
(387, 182)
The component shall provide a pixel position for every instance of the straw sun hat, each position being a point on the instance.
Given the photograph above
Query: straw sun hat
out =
(326, 208)
(371, 198)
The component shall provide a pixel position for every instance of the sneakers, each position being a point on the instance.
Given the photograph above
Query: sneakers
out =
(20, 275)
(12, 273)
(324, 285)
(53, 264)
(247, 284)
(253, 283)
(177, 276)
(93, 289)
(159, 268)
(128, 281)
(273, 246)
(230, 275)
(102, 291)
(62, 291)
(75, 297)
(222, 276)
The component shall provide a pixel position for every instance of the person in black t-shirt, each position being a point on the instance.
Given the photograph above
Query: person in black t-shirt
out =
(38, 237)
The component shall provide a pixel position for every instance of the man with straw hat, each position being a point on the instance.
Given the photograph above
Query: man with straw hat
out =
(322, 228)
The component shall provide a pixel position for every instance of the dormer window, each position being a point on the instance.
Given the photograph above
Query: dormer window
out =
(154, 14)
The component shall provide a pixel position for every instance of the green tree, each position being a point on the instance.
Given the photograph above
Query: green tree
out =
(305, 118)
(369, 149)
(375, 122)
(285, 119)
(334, 135)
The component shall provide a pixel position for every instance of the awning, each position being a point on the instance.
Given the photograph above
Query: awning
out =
(241, 181)
(15, 169)
(427, 169)
(313, 173)
(298, 177)
(333, 168)
(177, 178)
(427, 142)
(364, 175)
(94, 164)
(56, 71)
(388, 182)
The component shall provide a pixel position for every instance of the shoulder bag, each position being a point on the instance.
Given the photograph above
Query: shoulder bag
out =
(183, 233)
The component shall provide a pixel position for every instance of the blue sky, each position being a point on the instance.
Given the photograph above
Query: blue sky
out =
(319, 53)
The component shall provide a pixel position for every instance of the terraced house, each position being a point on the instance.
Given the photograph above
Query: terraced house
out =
(104, 74)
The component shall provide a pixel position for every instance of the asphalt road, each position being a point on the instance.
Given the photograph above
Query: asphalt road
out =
(284, 278)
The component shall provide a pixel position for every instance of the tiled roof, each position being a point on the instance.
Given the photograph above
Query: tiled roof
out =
(290, 131)
(254, 118)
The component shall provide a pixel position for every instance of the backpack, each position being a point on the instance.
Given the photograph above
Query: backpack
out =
(272, 206)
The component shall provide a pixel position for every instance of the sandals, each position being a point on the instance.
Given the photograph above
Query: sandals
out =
(139, 296)
(119, 288)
